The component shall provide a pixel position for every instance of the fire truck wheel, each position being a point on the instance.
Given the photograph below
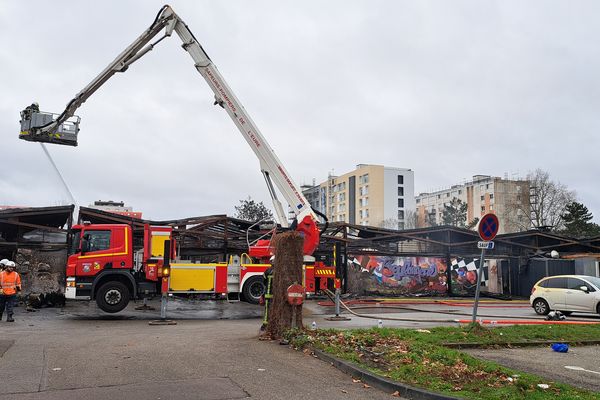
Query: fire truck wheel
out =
(112, 297)
(253, 289)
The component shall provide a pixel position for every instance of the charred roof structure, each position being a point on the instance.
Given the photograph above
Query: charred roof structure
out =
(448, 240)
(38, 238)
(222, 235)
(45, 227)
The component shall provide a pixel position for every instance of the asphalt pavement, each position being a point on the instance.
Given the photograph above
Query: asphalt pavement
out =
(214, 353)
(580, 366)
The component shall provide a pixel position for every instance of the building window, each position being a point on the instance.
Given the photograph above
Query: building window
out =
(363, 178)
(400, 203)
(448, 194)
(487, 186)
(482, 209)
(491, 207)
(439, 196)
(482, 198)
(459, 191)
(400, 215)
(364, 190)
(342, 197)
(400, 179)
(418, 201)
(400, 191)
(491, 196)
(400, 225)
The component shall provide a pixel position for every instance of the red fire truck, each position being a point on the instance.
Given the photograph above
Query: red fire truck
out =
(105, 265)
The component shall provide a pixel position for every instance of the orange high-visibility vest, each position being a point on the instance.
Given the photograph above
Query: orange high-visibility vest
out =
(9, 281)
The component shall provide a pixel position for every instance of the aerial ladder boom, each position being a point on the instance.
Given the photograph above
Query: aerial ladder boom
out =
(51, 131)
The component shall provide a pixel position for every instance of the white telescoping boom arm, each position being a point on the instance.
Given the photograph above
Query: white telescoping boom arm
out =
(272, 169)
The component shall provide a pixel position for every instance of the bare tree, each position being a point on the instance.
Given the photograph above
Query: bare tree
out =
(543, 207)
(389, 223)
(411, 219)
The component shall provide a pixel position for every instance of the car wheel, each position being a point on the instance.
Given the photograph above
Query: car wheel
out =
(541, 307)
(598, 308)
(254, 288)
(112, 297)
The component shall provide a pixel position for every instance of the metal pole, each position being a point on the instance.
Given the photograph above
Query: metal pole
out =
(337, 302)
(163, 306)
(293, 317)
(479, 272)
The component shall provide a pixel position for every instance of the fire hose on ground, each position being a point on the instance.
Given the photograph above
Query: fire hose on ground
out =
(521, 321)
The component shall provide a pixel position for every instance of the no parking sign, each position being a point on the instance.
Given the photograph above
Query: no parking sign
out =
(488, 227)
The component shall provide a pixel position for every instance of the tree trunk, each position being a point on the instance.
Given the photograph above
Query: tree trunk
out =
(287, 270)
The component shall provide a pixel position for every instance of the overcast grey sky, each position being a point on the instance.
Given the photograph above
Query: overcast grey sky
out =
(449, 89)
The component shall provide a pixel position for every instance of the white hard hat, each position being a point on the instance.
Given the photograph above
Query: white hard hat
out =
(11, 264)
(4, 261)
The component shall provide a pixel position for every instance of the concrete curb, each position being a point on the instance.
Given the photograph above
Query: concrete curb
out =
(477, 345)
(379, 382)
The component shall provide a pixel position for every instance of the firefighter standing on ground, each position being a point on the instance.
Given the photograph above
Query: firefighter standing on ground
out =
(10, 284)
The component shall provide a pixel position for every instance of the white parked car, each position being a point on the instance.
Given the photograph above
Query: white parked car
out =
(567, 294)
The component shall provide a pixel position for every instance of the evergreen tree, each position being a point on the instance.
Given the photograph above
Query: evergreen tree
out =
(455, 213)
(249, 210)
(577, 223)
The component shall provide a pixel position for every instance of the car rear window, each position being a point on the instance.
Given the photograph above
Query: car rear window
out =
(543, 283)
(557, 283)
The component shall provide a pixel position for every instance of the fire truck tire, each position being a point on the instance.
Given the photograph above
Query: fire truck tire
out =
(253, 289)
(112, 297)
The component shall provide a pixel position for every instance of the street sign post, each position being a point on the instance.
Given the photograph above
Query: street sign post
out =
(488, 228)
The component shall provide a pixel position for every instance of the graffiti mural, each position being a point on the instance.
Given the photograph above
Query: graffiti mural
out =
(464, 275)
(404, 275)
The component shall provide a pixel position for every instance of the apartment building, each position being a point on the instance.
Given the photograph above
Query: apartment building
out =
(369, 195)
(116, 207)
(508, 199)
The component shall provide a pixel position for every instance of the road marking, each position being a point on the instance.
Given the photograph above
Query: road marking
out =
(581, 369)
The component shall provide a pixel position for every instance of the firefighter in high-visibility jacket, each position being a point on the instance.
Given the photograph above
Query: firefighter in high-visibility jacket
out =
(10, 284)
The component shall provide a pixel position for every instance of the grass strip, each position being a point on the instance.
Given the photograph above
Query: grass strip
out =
(418, 358)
